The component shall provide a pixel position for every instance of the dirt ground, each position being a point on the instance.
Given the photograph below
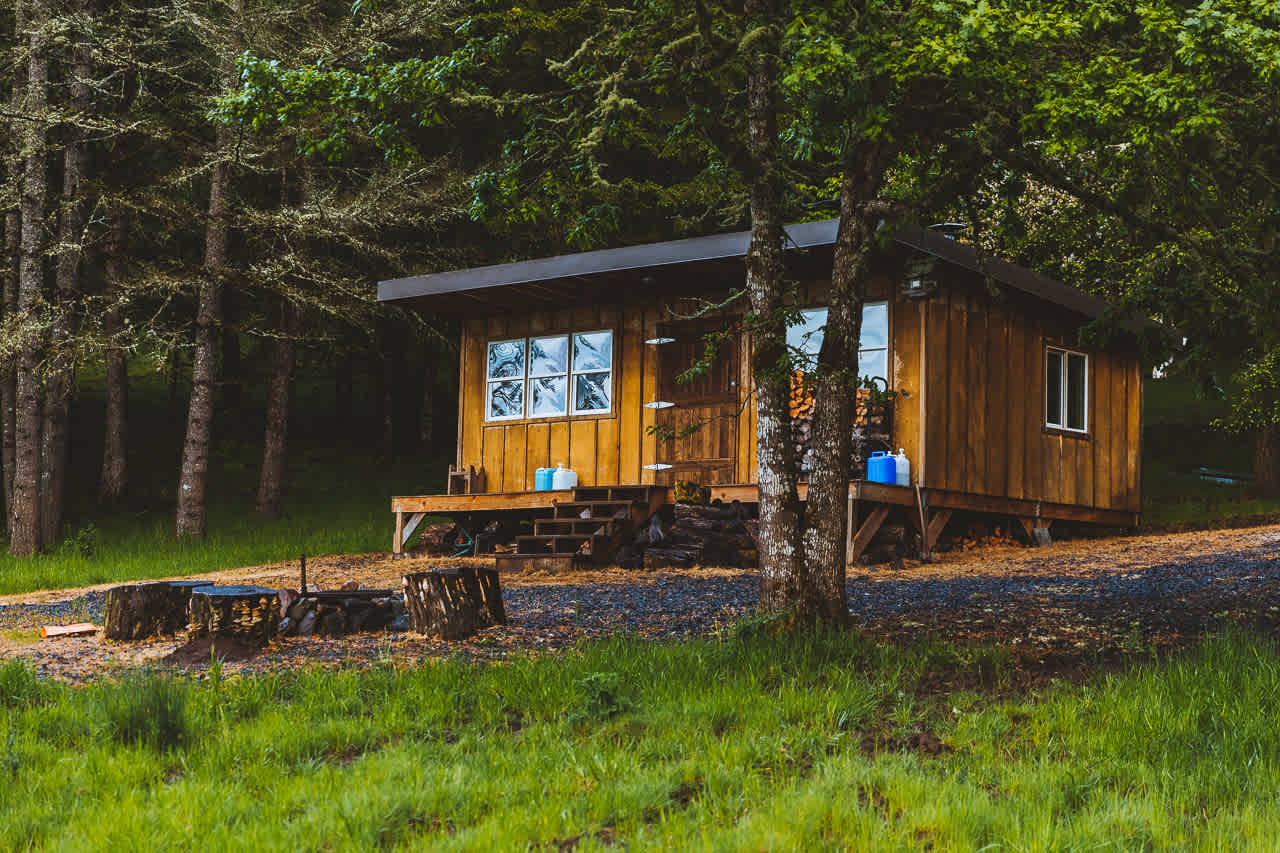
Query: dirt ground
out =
(1070, 598)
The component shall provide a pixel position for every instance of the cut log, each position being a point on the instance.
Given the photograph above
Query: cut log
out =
(453, 603)
(76, 630)
(248, 613)
(141, 610)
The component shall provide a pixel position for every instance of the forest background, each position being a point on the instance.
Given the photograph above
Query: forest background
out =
(200, 196)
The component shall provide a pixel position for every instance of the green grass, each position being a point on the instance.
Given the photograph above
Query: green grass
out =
(747, 743)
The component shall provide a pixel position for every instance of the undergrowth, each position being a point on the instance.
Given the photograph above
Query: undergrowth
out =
(752, 741)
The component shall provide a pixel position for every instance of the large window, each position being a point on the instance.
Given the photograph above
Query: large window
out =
(805, 339)
(1066, 390)
(549, 376)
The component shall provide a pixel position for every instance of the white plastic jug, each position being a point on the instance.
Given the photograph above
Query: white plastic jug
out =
(563, 478)
(901, 469)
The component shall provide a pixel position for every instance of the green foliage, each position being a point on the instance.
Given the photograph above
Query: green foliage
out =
(84, 543)
(1256, 403)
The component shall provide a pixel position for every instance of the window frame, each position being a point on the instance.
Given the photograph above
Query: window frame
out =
(888, 338)
(570, 375)
(572, 400)
(1064, 391)
(529, 377)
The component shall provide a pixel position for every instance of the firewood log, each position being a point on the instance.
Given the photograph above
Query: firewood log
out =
(248, 613)
(453, 603)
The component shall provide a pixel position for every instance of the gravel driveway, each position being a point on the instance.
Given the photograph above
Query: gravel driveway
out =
(1122, 593)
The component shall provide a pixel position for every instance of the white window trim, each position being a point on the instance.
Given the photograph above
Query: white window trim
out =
(574, 374)
(1063, 391)
(571, 375)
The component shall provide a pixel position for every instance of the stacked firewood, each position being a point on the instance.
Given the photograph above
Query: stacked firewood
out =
(872, 430)
(978, 535)
(334, 613)
(711, 535)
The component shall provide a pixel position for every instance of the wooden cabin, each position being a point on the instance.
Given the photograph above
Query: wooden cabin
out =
(574, 359)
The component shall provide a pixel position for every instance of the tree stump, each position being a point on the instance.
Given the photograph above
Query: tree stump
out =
(141, 610)
(247, 613)
(453, 603)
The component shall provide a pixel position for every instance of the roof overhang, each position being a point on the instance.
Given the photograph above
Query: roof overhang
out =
(557, 276)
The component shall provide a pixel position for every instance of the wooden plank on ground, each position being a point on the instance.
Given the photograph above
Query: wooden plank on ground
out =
(72, 630)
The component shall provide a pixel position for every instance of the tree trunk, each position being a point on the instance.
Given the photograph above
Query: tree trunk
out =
(835, 394)
(426, 421)
(114, 479)
(9, 275)
(24, 513)
(1266, 462)
(194, 475)
(71, 228)
(271, 482)
(8, 378)
(782, 575)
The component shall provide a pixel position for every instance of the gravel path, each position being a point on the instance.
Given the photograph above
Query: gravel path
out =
(1124, 593)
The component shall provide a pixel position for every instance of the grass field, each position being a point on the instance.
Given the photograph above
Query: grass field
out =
(749, 742)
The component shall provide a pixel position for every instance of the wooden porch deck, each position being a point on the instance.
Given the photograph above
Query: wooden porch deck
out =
(869, 505)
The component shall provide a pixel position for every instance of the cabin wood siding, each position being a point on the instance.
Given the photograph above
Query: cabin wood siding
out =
(968, 366)
(985, 386)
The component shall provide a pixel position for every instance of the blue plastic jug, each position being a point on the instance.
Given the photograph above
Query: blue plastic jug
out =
(542, 479)
(881, 468)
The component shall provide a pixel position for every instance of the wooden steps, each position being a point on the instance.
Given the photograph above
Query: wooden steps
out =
(591, 526)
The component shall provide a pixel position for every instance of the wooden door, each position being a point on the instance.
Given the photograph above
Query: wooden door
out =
(704, 419)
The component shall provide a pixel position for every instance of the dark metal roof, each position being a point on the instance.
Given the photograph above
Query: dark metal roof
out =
(718, 247)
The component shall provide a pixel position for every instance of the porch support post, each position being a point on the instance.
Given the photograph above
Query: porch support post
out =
(867, 531)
